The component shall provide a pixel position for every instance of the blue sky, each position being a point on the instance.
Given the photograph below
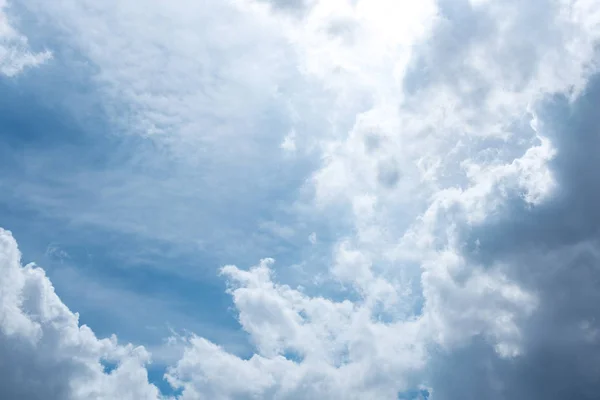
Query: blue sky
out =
(299, 199)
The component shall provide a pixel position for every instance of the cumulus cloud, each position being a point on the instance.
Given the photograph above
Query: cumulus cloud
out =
(307, 347)
(457, 146)
(45, 352)
(550, 250)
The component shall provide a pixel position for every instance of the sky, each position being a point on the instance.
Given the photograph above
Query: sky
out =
(299, 199)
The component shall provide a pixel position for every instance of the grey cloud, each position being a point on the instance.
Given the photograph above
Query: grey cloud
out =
(372, 142)
(552, 250)
(24, 377)
(388, 173)
(572, 214)
(443, 58)
(344, 29)
(294, 6)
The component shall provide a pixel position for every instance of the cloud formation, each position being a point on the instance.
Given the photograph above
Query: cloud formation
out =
(14, 52)
(47, 354)
(457, 148)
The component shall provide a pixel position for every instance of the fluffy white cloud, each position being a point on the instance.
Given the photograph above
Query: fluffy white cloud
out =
(307, 347)
(46, 353)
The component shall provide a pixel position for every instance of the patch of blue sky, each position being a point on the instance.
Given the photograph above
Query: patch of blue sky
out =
(156, 376)
(414, 394)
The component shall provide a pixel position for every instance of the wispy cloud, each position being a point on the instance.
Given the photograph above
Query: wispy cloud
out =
(15, 54)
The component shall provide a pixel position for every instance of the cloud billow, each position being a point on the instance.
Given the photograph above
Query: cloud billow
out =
(552, 251)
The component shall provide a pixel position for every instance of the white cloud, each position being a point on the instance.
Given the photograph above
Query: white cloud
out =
(461, 148)
(14, 50)
(289, 142)
(46, 353)
(339, 351)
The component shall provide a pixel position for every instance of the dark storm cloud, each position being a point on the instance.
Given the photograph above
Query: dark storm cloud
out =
(552, 250)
